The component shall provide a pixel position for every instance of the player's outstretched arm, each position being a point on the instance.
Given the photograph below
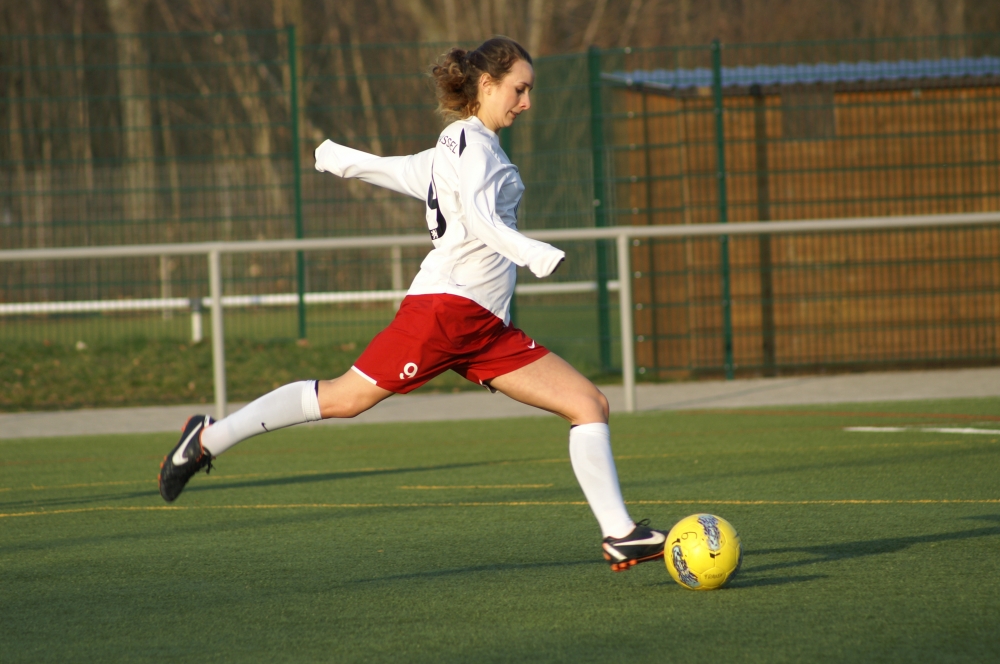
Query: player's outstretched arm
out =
(405, 175)
(480, 179)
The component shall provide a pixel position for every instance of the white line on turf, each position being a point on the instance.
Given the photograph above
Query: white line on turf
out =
(986, 432)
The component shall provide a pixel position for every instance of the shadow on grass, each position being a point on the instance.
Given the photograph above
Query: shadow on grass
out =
(220, 484)
(179, 533)
(69, 502)
(742, 581)
(476, 569)
(825, 553)
(328, 477)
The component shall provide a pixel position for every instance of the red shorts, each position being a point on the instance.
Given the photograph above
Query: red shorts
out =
(433, 333)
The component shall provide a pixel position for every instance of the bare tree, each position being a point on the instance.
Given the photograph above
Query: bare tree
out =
(82, 151)
(590, 34)
(539, 20)
(427, 19)
(633, 16)
(18, 151)
(137, 116)
(954, 22)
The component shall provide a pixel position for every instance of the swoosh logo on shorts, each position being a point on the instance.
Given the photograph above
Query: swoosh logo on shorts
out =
(532, 344)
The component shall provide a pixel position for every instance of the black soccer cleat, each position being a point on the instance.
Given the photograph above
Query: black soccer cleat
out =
(639, 546)
(174, 476)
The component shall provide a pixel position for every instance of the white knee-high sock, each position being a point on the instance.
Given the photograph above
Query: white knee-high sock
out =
(590, 454)
(290, 404)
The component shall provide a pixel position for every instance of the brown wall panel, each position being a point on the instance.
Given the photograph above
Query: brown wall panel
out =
(909, 296)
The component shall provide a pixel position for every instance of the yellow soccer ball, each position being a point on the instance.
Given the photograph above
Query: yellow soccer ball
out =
(703, 552)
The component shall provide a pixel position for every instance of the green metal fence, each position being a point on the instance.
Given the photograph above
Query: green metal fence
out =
(736, 133)
(188, 137)
(143, 139)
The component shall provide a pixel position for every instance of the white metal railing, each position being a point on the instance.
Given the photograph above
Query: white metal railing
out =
(195, 306)
(621, 234)
(273, 300)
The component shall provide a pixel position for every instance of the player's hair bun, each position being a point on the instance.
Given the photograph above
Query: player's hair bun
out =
(456, 74)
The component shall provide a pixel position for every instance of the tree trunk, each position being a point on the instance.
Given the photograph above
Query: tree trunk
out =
(225, 143)
(137, 116)
(590, 34)
(539, 19)
(451, 21)
(82, 150)
(39, 211)
(429, 24)
(633, 16)
(19, 156)
(925, 17)
(954, 24)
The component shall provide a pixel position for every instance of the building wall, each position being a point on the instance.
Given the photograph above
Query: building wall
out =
(850, 299)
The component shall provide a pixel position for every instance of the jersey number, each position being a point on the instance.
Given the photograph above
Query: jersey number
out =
(432, 203)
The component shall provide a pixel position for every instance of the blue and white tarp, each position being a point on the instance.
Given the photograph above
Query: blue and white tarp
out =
(806, 74)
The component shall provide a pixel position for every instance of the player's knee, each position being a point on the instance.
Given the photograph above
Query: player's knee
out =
(599, 405)
(590, 408)
(602, 403)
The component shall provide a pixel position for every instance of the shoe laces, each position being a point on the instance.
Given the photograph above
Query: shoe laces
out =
(205, 458)
(205, 453)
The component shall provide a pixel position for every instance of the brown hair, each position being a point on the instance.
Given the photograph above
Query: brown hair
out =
(457, 74)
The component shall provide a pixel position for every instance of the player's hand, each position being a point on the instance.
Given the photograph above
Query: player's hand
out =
(545, 264)
(326, 158)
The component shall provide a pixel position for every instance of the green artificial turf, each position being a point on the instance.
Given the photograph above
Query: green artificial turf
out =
(469, 542)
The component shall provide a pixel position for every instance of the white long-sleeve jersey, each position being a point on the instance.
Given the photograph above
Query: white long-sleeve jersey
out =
(471, 191)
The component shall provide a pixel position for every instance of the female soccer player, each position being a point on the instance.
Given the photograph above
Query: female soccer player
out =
(456, 312)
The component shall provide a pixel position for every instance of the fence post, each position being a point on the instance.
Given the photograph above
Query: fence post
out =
(165, 286)
(764, 241)
(654, 337)
(600, 205)
(196, 324)
(625, 311)
(300, 259)
(218, 336)
(720, 156)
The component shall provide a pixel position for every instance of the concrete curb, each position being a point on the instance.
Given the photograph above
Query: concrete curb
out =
(748, 393)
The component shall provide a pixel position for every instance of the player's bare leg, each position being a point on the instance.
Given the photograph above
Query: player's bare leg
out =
(203, 439)
(295, 403)
(552, 384)
(348, 396)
